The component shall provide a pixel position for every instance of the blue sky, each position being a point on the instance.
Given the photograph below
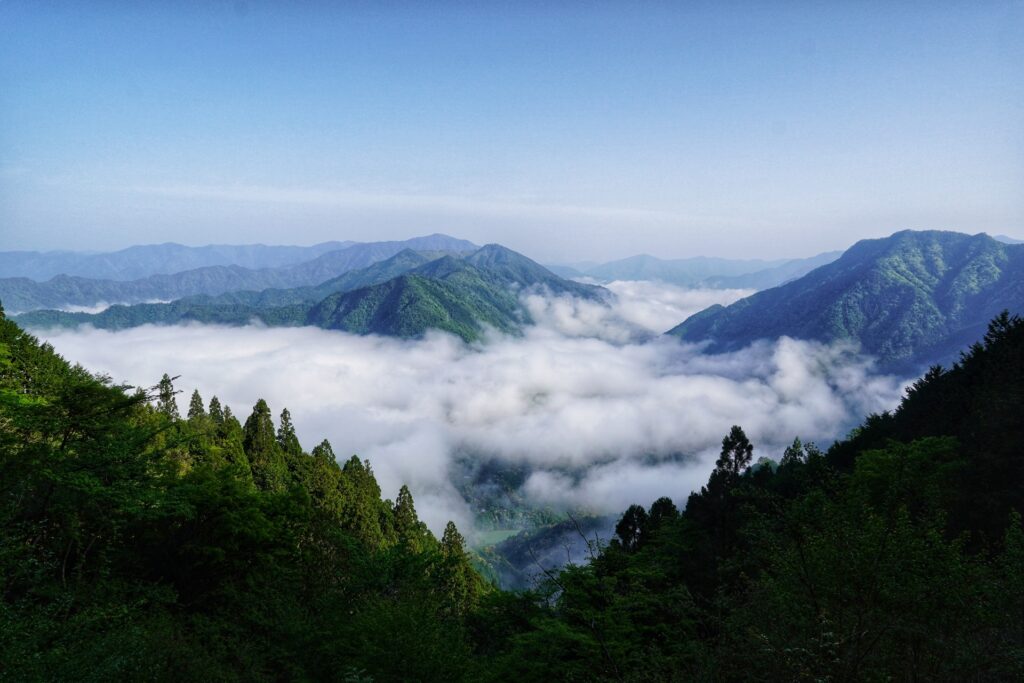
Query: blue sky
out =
(566, 130)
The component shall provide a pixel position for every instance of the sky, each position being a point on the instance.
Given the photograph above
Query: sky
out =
(567, 131)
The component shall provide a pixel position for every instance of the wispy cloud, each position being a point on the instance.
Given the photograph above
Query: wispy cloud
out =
(350, 198)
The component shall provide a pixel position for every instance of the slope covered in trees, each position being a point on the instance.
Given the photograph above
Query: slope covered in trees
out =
(896, 555)
(404, 295)
(23, 294)
(911, 299)
(143, 541)
(142, 544)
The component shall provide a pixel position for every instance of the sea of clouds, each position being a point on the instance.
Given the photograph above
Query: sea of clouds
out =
(604, 409)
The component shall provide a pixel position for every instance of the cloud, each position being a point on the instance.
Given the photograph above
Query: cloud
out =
(603, 412)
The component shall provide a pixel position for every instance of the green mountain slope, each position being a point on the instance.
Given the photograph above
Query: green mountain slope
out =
(911, 299)
(23, 294)
(402, 296)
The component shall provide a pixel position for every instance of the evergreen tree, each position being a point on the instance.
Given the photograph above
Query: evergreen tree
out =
(195, 406)
(165, 397)
(286, 438)
(793, 454)
(269, 470)
(324, 451)
(216, 414)
(411, 532)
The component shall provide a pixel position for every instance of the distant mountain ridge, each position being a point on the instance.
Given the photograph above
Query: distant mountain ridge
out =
(404, 296)
(911, 299)
(23, 294)
(700, 271)
(141, 261)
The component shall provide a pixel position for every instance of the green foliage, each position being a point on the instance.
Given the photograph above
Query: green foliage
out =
(912, 299)
(897, 555)
(135, 545)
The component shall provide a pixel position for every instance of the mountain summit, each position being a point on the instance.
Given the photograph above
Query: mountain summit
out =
(911, 299)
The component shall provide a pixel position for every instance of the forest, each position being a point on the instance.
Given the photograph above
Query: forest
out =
(147, 537)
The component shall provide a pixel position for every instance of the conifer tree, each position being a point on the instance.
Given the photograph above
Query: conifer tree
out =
(269, 470)
(410, 530)
(165, 398)
(216, 413)
(286, 438)
(195, 406)
(323, 450)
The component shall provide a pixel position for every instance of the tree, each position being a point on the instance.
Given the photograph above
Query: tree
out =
(793, 454)
(269, 470)
(411, 532)
(737, 452)
(286, 438)
(195, 406)
(662, 510)
(323, 450)
(632, 528)
(216, 413)
(165, 397)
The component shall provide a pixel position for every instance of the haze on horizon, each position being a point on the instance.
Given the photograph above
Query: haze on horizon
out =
(565, 133)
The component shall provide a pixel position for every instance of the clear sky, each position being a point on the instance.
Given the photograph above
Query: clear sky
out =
(566, 130)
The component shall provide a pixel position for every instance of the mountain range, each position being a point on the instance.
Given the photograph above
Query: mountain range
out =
(142, 261)
(404, 296)
(21, 294)
(911, 300)
(700, 271)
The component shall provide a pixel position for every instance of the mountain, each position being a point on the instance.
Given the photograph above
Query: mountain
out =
(403, 296)
(686, 272)
(142, 261)
(1005, 239)
(717, 273)
(772, 277)
(23, 294)
(911, 299)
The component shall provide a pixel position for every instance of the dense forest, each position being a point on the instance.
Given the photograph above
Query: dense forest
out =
(143, 541)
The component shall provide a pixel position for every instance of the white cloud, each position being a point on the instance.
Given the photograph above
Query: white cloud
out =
(603, 413)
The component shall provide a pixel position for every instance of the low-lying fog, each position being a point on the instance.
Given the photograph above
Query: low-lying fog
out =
(587, 387)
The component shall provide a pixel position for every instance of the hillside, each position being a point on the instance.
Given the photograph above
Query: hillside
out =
(911, 300)
(717, 273)
(140, 542)
(404, 296)
(142, 261)
(23, 294)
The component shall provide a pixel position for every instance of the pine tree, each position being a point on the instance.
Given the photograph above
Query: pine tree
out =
(195, 406)
(269, 470)
(453, 545)
(165, 402)
(410, 530)
(216, 414)
(323, 450)
(286, 438)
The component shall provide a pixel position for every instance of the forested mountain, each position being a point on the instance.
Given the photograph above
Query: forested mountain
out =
(896, 555)
(140, 544)
(402, 296)
(142, 261)
(911, 299)
(702, 271)
(137, 543)
(23, 294)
